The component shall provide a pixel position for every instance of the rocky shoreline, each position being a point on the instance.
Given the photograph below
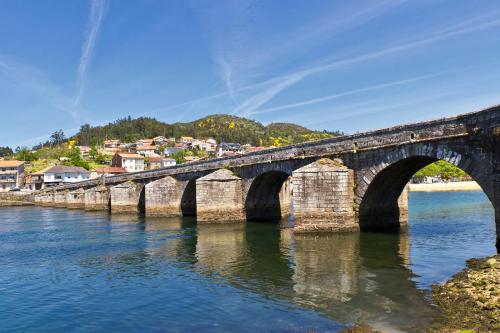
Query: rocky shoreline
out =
(470, 300)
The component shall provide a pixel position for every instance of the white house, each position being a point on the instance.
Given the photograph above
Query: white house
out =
(161, 162)
(128, 161)
(205, 145)
(147, 151)
(60, 174)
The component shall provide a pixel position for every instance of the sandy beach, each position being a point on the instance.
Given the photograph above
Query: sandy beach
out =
(446, 187)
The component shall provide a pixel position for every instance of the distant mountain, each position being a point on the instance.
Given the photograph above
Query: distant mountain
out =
(223, 128)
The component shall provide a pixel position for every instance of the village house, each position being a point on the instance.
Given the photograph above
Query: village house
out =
(206, 145)
(229, 149)
(106, 171)
(129, 161)
(84, 151)
(11, 175)
(160, 141)
(147, 151)
(61, 174)
(186, 140)
(171, 150)
(251, 149)
(190, 159)
(33, 181)
(144, 142)
(111, 147)
(161, 162)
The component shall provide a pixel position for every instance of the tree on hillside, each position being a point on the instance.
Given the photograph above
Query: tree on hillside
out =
(25, 154)
(6, 151)
(57, 137)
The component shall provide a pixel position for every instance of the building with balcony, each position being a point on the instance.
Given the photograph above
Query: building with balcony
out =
(129, 161)
(11, 175)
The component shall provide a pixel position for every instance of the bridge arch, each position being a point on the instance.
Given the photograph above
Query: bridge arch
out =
(383, 184)
(188, 199)
(268, 197)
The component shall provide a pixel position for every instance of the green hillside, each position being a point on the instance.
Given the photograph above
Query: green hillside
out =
(223, 128)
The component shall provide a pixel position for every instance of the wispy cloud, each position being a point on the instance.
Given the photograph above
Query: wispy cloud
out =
(343, 94)
(474, 24)
(226, 74)
(266, 90)
(97, 11)
(259, 99)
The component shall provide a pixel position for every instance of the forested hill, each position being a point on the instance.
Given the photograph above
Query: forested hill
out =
(223, 128)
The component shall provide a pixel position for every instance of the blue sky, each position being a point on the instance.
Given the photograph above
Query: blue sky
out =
(335, 65)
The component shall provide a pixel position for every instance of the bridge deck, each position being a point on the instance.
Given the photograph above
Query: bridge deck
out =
(457, 126)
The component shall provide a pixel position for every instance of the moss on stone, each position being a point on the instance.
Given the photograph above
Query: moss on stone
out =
(470, 301)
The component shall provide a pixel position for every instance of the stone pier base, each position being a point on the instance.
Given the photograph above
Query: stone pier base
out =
(163, 197)
(97, 198)
(219, 198)
(44, 199)
(323, 197)
(403, 209)
(76, 199)
(285, 199)
(127, 198)
(60, 199)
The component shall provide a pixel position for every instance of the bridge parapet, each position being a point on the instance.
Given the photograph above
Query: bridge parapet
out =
(482, 124)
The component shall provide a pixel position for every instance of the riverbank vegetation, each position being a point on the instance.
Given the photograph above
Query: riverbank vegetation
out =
(470, 301)
(443, 170)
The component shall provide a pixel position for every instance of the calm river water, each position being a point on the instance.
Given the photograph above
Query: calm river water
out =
(64, 270)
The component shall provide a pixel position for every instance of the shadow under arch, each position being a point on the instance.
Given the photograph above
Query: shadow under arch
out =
(188, 200)
(379, 209)
(265, 199)
(141, 202)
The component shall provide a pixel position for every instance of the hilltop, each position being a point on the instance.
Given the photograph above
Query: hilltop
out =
(223, 128)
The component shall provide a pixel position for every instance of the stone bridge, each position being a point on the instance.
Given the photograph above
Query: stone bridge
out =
(348, 183)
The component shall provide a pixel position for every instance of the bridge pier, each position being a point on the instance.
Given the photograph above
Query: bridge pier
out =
(403, 208)
(163, 197)
(127, 198)
(76, 199)
(285, 199)
(97, 198)
(60, 199)
(219, 198)
(323, 197)
(45, 199)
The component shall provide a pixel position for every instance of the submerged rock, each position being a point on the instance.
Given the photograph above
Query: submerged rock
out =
(471, 299)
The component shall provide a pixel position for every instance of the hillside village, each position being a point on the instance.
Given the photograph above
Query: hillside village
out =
(24, 172)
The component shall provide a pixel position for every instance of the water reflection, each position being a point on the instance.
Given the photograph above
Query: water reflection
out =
(349, 277)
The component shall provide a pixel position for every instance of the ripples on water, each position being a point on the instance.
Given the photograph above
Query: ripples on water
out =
(66, 270)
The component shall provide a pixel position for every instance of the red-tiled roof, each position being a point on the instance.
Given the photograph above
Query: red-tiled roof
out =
(110, 170)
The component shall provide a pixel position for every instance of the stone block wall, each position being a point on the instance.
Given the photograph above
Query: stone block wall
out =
(60, 199)
(219, 198)
(163, 197)
(97, 198)
(323, 197)
(125, 198)
(285, 198)
(75, 199)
